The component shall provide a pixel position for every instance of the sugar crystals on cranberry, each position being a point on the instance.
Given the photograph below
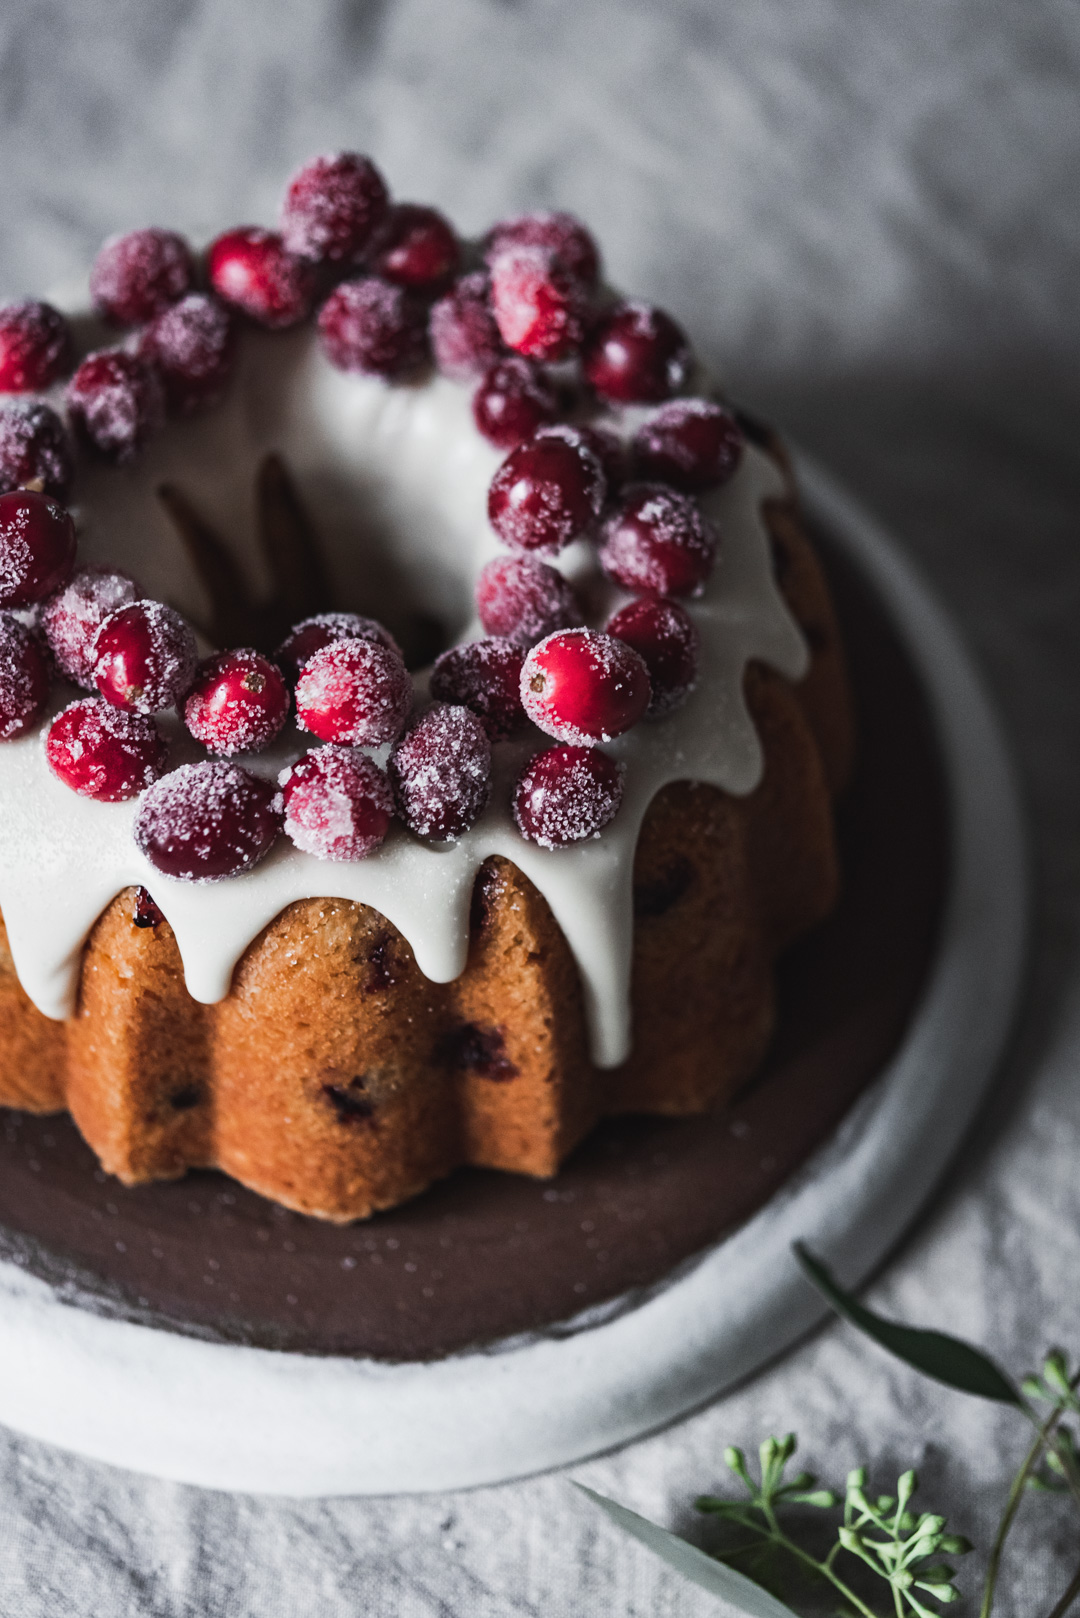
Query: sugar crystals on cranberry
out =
(144, 657)
(485, 677)
(72, 617)
(116, 403)
(513, 400)
(338, 803)
(138, 275)
(24, 678)
(567, 794)
(636, 354)
(539, 304)
(35, 346)
(206, 821)
(103, 752)
(374, 328)
(665, 637)
(693, 444)
(415, 247)
(559, 233)
(354, 691)
(312, 634)
(441, 772)
(237, 703)
(521, 599)
(34, 450)
(582, 686)
(332, 206)
(655, 540)
(464, 337)
(548, 490)
(37, 547)
(193, 346)
(253, 270)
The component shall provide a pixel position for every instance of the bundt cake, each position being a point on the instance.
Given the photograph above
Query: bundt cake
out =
(452, 917)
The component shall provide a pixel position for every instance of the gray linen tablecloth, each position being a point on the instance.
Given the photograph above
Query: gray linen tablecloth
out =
(867, 215)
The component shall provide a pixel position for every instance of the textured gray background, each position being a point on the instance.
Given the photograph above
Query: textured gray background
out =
(867, 215)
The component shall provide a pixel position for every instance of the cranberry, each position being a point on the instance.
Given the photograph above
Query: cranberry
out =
(567, 794)
(144, 657)
(116, 403)
(35, 346)
(238, 702)
(373, 327)
(513, 400)
(338, 803)
(37, 547)
(332, 206)
(34, 450)
(253, 270)
(609, 450)
(24, 678)
(547, 491)
(665, 637)
(560, 233)
(416, 248)
(193, 346)
(102, 752)
(539, 305)
(441, 772)
(522, 600)
(72, 617)
(464, 337)
(657, 541)
(354, 691)
(146, 912)
(636, 354)
(485, 677)
(692, 444)
(308, 637)
(137, 276)
(206, 821)
(582, 686)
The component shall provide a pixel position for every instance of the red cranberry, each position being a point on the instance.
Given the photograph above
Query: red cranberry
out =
(207, 821)
(441, 773)
(193, 346)
(102, 752)
(665, 637)
(354, 691)
(692, 444)
(238, 702)
(72, 617)
(24, 678)
(116, 403)
(138, 276)
(253, 270)
(35, 346)
(547, 491)
(513, 400)
(144, 657)
(34, 450)
(582, 686)
(373, 327)
(610, 451)
(37, 547)
(522, 600)
(567, 794)
(415, 248)
(485, 677)
(560, 233)
(636, 354)
(338, 803)
(332, 206)
(464, 337)
(539, 305)
(657, 541)
(309, 636)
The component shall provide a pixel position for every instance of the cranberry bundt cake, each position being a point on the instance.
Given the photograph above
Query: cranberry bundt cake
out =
(422, 709)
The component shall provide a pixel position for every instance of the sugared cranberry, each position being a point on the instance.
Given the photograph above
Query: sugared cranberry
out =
(34, 450)
(206, 821)
(308, 637)
(116, 402)
(138, 275)
(102, 752)
(253, 270)
(582, 686)
(464, 337)
(522, 600)
(238, 702)
(513, 400)
(415, 247)
(547, 491)
(657, 541)
(37, 547)
(567, 794)
(539, 305)
(146, 912)
(485, 677)
(665, 637)
(636, 354)
(560, 233)
(332, 206)
(441, 773)
(35, 346)
(193, 346)
(72, 617)
(24, 678)
(692, 444)
(610, 451)
(354, 691)
(338, 803)
(374, 328)
(144, 657)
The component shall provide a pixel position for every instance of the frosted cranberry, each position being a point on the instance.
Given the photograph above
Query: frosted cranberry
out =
(37, 547)
(373, 327)
(338, 803)
(253, 270)
(24, 678)
(560, 233)
(582, 686)
(416, 248)
(665, 637)
(547, 491)
(354, 691)
(237, 703)
(692, 444)
(441, 773)
(144, 657)
(332, 206)
(34, 449)
(657, 541)
(116, 403)
(193, 346)
(513, 400)
(464, 337)
(35, 346)
(137, 276)
(636, 354)
(610, 451)
(485, 677)
(102, 752)
(72, 617)
(539, 305)
(309, 636)
(566, 795)
(206, 821)
(522, 600)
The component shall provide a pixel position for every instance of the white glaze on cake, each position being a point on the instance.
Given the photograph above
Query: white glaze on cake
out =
(396, 479)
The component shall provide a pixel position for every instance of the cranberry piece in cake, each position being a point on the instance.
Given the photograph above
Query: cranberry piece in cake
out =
(693, 444)
(441, 773)
(567, 794)
(415, 247)
(237, 703)
(485, 677)
(116, 403)
(657, 541)
(34, 450)
(464, 337)
(374, 328)
(512, 401)
(102, 752)
(144, 657)
(539, 304)
(253, 270)
(35, 346)
(354, 691)
(332, 206)
(24, 678)
(311, 634)
(582, 686)
(37, 547)
(72, 617)
(547, 491)
(193, 346)
(522, 600)
(206, 821)
(338, 803)
(138, 275)
(665, 637)
(636, 354)
(559, 233)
